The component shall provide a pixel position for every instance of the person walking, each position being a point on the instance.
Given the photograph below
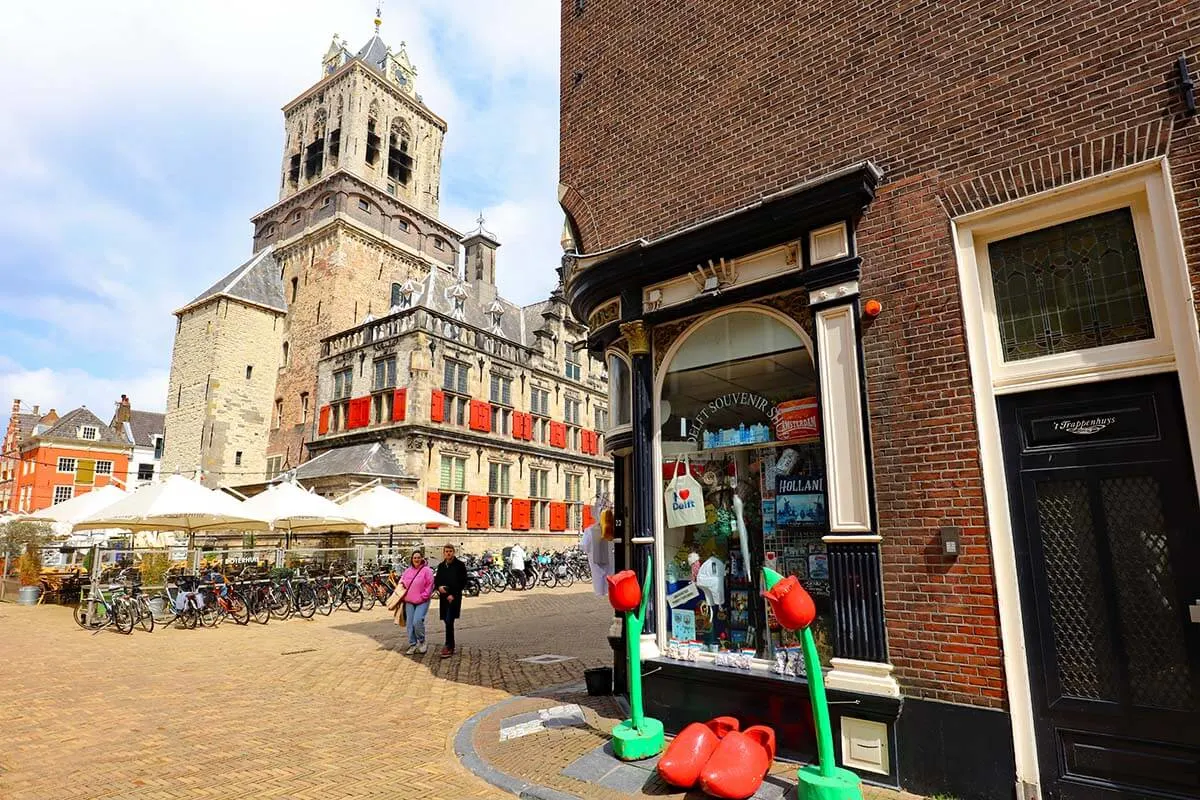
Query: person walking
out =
(418, 581)
(450, 580)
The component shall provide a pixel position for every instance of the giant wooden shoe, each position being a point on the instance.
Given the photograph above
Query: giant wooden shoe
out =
(680, 766)
(737, 767)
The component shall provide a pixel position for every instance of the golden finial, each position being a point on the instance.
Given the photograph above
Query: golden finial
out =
(378, 17)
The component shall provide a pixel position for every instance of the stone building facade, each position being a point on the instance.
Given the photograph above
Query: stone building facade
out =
(224, 367)
(354, 249)
(493, 411)
(936, 153)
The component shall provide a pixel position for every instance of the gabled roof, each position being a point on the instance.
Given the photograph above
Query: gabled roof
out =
(25, 425)
(374, 53)
(69, 424)
(144, 426)
(373, 460)
(257, 282)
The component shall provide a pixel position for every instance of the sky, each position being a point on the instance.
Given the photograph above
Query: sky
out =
(138, 137)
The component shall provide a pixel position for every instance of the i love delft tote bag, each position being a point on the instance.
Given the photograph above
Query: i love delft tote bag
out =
(684, 499)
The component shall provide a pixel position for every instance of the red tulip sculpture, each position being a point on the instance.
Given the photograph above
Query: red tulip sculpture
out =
(624, 592)
(794, 609)
(639, 736)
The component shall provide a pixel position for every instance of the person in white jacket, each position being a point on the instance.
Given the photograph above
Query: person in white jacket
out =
(599, 553)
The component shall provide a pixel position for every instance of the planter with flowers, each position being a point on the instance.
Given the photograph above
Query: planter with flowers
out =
(29, 573)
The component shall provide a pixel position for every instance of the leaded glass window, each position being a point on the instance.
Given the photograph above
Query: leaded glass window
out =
(1070, 287)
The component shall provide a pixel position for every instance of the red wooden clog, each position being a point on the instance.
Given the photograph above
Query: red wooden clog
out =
(737, 767)
(680, 766)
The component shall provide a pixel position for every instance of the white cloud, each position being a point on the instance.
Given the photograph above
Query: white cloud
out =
(68, 389)
(140, 136)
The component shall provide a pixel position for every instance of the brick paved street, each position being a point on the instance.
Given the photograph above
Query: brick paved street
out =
(327, 708)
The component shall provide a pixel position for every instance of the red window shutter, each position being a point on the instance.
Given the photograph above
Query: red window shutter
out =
(437, 401)
(323, 421)
(558, 435)
(477, 513)
(558, 516)
(481, 416)
(399, 405)
(434, 500)
(520, 515)
(518, 425)
(360, 413)
(527, 427)
(588, 519)
(585, 442)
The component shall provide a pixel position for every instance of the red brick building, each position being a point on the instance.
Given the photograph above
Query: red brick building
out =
(50, 459)
(1001, 523)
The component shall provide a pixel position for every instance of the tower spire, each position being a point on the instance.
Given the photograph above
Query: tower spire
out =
(378, 17)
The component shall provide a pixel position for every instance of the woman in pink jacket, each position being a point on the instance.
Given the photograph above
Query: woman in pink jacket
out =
(418, 579)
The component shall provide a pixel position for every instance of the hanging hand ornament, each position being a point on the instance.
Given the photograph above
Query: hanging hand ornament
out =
(794, 609)
(639, 736)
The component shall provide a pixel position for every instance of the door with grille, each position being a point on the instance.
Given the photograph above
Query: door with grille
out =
(1107, 534)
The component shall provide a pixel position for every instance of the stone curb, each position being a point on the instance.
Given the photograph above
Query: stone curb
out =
(464, 749)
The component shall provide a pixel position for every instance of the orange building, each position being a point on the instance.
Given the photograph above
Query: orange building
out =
(61, 457)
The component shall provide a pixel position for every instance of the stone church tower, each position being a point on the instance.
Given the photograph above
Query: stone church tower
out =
(357, 215)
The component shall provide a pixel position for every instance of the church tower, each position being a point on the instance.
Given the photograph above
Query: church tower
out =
(357, 215)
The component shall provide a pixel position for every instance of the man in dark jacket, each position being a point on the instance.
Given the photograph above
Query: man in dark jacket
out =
(450, 580)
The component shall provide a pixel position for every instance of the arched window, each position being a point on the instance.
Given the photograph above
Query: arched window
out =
(399, 159)
(314, 154)
(620, 397)
(738, 401)
(373, 133)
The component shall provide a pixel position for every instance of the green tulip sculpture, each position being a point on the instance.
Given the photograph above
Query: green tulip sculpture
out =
(795, 610)
(639, 736)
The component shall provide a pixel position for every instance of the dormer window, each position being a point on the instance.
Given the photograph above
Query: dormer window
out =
(438, 244)
(495, 313)
(88, 432)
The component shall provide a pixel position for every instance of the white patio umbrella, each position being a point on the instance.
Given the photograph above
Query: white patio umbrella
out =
(175, 504)
(64, 515)
(381, 508)
(289, 506)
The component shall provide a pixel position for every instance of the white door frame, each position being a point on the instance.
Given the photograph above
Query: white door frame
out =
(1176, 347)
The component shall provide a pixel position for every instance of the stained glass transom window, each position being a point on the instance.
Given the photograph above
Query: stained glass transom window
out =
(1070, 287)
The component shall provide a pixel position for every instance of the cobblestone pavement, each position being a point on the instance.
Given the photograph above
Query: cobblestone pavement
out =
(324, 708)
(540, 758)
(328, 708)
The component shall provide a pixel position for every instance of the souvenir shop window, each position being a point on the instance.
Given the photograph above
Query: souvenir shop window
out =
(743, 477)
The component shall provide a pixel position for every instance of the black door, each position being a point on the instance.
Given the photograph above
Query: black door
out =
(1107, 534)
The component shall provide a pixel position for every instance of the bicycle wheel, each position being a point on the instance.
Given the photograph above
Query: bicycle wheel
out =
(485, 584)
(236, 608)
(531, 578)
(145, 618)
(123, 615)
(368, 596)
(280, 604)
(259, 610)
(352, 597)
(499, 581)
(324, 599)
(94, 620)
(306, 601)
(472, 588)
(548, 577)
(565, 578)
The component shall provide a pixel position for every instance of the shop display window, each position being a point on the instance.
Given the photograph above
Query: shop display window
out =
(743, 476)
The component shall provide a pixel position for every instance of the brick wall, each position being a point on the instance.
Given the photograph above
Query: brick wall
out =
(673, 113)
